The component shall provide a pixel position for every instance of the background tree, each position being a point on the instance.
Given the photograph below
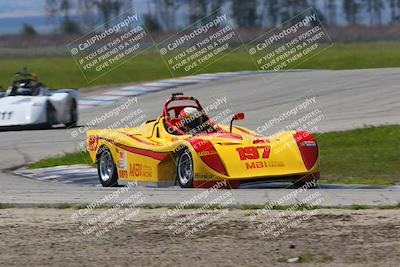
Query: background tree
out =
(171, 14)
(398, 8)
(214, 8)
(331, 7)
(351, 9)
(244, 12)
(151, 23)
(165, 12)
(62, 8)
(272, 7)
(298, 6)
(378, 7)
(216, 4)
(28, 29)
(285, 10)
(394, 6)
(107, 9)
(197, 9)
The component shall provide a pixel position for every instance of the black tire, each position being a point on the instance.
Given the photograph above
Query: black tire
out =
(73, 115)
(106, 168)
(51, 118)
(185, 169)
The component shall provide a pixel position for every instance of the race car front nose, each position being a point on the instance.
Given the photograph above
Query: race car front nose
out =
(308, 148)
(20, 115)
(209, 155)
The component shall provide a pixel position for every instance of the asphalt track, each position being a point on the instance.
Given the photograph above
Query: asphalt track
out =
(347, 99)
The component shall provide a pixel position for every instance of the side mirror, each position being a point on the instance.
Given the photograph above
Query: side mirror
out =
(236, 117)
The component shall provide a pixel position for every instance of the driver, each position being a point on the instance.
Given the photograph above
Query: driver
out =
(191, 120)
(24, 88)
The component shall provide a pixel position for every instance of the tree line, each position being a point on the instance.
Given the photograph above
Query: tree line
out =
(78, 15)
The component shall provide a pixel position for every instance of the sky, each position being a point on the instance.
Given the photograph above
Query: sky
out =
(13, 13)
(21, 8)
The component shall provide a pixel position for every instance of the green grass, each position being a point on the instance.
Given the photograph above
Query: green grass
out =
(357, 56)
(389, 207)
(251, 207)
(323, 257)
(363, 156)
(358, 207)
(43, 206)
(62, 72)
(281, 260)
(240, 207)
(66, 159)
(63, 206)
(5, 206)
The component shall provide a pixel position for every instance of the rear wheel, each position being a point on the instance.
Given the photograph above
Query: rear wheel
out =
(50, 115)
(73, 115)
(106, 168)
(185, 169)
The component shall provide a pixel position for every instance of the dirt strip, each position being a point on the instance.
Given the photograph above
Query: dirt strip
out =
(329, 237)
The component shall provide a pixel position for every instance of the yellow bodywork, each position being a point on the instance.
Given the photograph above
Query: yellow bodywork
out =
(148, 153)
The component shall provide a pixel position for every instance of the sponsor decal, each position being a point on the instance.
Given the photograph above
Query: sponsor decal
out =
(122, 174)
(146, 171)
(123, 161)
(263, 164)
(93, 142)
(140, 170)
(253, 152)
(203, 176)
(207, 153)
(275, 164)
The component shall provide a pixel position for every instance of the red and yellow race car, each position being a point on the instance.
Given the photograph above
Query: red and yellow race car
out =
(184, 146)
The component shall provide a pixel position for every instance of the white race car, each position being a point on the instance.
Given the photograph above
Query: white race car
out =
(29, 103)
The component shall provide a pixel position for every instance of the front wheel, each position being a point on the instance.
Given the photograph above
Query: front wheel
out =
(185, 169)
(106, 168)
